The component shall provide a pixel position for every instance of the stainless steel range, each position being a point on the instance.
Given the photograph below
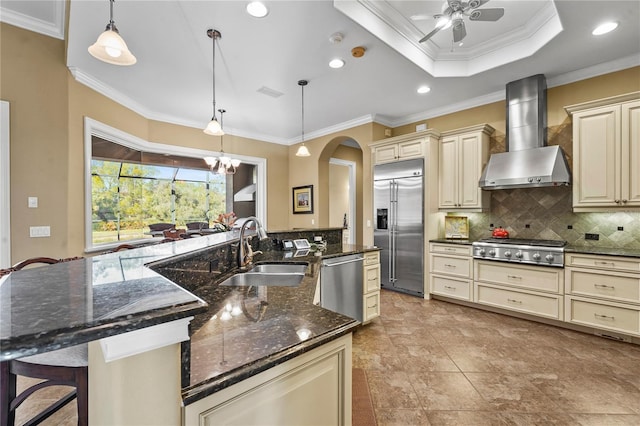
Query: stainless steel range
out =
(537, 252)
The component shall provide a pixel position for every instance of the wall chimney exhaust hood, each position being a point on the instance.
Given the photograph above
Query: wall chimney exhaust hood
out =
(528, 162)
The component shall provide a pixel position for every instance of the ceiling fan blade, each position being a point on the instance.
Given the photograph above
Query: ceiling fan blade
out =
(459, 31)
(431, 34)
(486, 14)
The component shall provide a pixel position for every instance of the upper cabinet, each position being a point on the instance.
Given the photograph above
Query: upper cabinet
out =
(606, 153)
(402, 147)
(463, 155)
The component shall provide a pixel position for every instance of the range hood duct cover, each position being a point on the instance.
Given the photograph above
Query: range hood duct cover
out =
(528, 162)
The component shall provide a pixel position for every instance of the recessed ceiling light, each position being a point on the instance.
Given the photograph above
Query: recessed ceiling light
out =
(336, 63)
(257, 9)
(605, 28)
(424, 89)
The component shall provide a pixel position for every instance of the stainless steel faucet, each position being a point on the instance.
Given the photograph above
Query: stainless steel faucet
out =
(245, 252)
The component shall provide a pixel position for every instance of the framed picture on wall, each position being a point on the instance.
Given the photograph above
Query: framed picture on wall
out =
(303, 199)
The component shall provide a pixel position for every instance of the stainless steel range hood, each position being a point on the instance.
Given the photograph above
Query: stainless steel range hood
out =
(528, 162)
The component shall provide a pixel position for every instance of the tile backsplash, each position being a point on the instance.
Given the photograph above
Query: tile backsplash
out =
(546, 213)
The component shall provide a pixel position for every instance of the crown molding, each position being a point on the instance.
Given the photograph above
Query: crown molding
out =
(559, 80)
(53, 29)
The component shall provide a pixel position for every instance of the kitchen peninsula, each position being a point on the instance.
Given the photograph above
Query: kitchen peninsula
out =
(267, 334)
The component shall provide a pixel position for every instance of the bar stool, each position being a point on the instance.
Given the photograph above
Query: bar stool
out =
(64, 367)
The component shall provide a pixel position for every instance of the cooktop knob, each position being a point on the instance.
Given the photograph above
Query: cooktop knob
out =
(492, 252)
(536, 256)
(519, 254)
(507, 253)
(481, 252)
(549, 258)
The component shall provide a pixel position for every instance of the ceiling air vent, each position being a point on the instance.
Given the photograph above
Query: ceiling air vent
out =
(269, 92)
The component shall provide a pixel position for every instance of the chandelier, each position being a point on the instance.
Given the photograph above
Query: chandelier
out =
(222, 165)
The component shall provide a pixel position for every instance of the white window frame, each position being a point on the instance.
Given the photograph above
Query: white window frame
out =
(95, 128)
(5, 187)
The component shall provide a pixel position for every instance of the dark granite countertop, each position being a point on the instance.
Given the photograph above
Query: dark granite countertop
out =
(452, 241)
(69, 303)
(609, 251)
(65, 304)
(247, 330)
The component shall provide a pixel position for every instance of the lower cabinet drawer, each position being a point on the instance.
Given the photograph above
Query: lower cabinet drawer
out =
(611, 316)
(371, 306)
(536, 278)
(451, 287)
(618, 287)
(540, 304)
(451, 265)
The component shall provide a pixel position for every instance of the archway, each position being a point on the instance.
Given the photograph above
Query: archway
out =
(346, 152)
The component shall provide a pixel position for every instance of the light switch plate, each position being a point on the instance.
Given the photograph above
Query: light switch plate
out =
(33, 202)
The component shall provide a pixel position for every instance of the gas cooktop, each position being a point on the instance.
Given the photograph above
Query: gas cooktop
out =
(516, 250)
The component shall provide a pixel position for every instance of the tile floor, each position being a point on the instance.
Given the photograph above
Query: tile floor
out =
(437, 363)
(430, 362)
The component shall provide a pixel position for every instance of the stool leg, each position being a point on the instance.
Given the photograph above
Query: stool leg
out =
(7, 394)
(82, 389)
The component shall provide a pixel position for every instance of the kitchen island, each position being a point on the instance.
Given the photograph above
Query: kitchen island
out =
(114, 295)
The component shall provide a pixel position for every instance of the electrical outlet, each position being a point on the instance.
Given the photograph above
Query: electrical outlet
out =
(620, 228)
(569, 226)
(39, 231)
(527, 226)
(594, 237)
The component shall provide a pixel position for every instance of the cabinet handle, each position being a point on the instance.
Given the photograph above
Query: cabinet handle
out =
(601, 262)
(448, 287)
(515, 301)
(624, 201)
(604, 286)
(617, 201)
(447, 265)
(514, 277)
(449, 249)
(372, 279)
(605, 317)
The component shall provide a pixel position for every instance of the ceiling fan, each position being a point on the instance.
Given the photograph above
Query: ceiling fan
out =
(453, 12)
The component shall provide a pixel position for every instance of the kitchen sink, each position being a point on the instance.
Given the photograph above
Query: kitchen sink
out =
(279, 268)
(269, 274)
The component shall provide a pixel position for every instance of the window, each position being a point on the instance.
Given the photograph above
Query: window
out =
(132, 184)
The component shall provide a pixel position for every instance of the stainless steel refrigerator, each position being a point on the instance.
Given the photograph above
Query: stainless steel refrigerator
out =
(398, 201)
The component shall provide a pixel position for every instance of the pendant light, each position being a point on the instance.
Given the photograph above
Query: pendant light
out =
(214, 128)
(303, 151)
(225, 165)
(110, 47)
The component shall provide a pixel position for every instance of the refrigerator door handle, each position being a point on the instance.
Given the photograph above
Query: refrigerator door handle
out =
(390, 232)
(394, 232)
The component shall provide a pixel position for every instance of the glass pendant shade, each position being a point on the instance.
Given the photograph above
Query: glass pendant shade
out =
(214, 128)
(111, 48)
(303, 151)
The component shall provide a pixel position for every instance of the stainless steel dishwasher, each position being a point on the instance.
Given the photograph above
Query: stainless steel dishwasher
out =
(341, 285)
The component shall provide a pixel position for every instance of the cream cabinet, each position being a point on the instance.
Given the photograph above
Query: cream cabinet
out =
(402, 147)
(312, 388)
(532, 290)
(606, 153)
(462, 156)
(603, 292)
(451, 269)
(371, 286)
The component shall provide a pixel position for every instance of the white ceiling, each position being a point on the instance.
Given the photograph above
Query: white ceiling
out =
(172, 80)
